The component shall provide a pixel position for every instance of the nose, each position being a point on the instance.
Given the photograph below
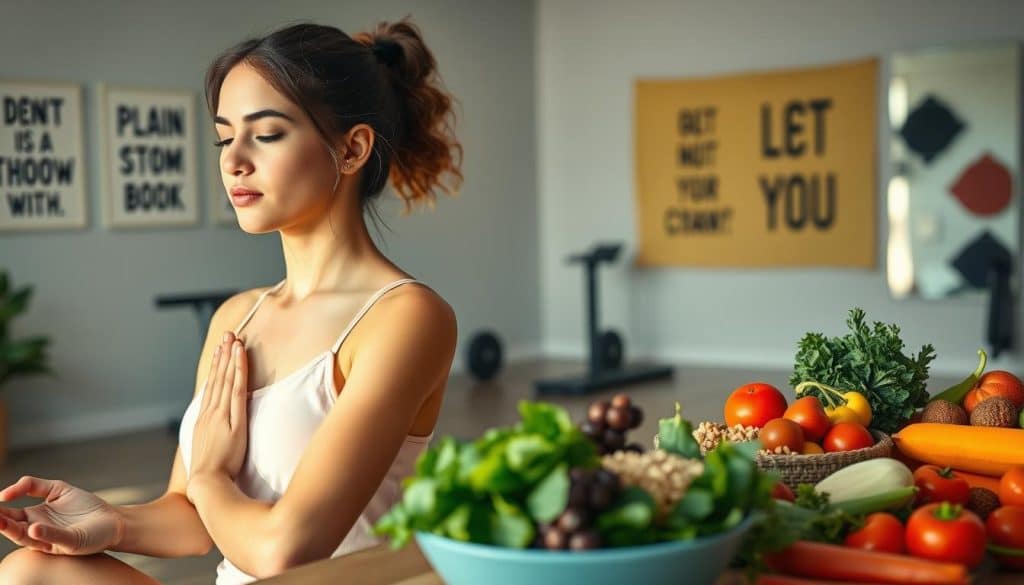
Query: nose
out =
(233, 161)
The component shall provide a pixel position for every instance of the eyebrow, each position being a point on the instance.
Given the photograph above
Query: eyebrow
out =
(256, 116)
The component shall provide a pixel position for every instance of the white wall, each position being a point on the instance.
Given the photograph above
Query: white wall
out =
(123, 364)
(588, 55)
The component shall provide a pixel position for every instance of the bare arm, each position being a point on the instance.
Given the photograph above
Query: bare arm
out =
(166, 527)
(408, 354)
(170, 526)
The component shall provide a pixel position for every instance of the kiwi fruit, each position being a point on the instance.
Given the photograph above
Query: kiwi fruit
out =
(944, 411)
(982, 502)
(995, 412)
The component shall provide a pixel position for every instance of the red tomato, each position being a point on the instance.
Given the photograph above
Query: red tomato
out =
(1006, 528)
(995, 383)
(810, 415)
(946, 532)
(847, 436)
(937, 484)
(781, 491)
(881, 532)
(782, 432)
(1011, 487)
(754, 405)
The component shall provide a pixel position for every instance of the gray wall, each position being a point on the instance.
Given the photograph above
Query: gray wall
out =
(590, 52)
(122, 364)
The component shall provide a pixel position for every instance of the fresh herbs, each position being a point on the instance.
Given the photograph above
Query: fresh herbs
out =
(493, 490)
(675, 435)
(500, 487)
(869, 360)
(810, 517)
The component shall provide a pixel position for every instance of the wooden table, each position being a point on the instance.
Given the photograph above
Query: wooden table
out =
(382, 566)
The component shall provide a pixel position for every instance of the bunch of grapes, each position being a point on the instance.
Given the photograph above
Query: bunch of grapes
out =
(590, 493)
(607, 423)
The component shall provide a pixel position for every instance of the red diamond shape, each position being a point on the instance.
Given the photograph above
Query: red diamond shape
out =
(985, 187)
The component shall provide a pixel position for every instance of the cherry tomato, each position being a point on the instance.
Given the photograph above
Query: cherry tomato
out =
(881, 532)
(781, 491)
(946, 532)
(810, 415)
(782, 432)
(754, 405)
(1011, 487)
(937, 484)
(812, 449)
(847, 436)
(1006, 528)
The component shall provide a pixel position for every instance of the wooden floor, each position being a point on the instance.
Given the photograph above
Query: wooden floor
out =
(134, 468)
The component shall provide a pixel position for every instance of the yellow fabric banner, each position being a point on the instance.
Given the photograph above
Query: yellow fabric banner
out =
(763, 169)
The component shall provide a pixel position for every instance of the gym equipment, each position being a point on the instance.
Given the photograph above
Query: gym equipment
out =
(611, 350)
(484, 355)
(605, 368)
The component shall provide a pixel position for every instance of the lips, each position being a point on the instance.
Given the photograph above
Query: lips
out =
(242, 191)
(242, 196)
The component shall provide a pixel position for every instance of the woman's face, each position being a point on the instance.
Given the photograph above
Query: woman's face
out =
(270, 146)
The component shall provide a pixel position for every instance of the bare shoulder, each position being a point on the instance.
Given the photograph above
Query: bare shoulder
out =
(417, 304)
(409, 310)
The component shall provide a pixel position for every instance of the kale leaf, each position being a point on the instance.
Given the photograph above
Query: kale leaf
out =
(870, 360)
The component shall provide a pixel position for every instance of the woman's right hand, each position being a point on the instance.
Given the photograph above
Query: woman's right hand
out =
(71, 521)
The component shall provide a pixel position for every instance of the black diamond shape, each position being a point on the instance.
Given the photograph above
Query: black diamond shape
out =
(976, 259)
(930, 128)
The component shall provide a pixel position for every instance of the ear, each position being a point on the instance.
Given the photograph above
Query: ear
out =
(356, 146)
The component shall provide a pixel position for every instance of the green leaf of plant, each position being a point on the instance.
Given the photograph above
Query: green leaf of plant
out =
(510, 526)
(634, 510)
(527, 450)
(544, 419)
(697, 504)
(549, 498)
(675, 435)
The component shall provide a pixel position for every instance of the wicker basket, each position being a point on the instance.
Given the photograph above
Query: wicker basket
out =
(797, 469)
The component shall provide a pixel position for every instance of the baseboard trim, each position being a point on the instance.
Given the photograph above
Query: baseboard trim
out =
(93, 425)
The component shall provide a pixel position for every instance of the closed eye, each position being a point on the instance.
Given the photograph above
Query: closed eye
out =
(270, 138)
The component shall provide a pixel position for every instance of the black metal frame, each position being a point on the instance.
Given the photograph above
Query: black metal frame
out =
(597, 376)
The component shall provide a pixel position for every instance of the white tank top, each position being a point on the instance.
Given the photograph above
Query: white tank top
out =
(282, 419)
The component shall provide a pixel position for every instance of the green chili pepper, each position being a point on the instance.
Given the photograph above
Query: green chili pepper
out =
(957, 392)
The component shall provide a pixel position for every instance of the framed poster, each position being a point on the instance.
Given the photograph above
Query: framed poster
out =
(149, 163)
(759, 169)
(42, 167)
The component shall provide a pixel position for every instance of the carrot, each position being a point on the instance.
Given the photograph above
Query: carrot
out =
(979, 481)
(983, 450)
(829, 561)
(787, 580)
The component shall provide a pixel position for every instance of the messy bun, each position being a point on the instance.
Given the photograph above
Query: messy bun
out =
(386, 79)
(426, 147)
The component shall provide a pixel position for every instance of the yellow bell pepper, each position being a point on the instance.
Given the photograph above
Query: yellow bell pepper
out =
(841, 406)
(840, 414)
(856, 402)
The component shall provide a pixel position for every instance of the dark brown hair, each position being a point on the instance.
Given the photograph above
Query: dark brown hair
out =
(386, 79)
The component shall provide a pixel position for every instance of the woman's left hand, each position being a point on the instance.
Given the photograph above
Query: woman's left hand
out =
(220, 437)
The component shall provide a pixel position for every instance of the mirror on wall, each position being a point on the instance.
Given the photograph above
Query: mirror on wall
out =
(953, 196)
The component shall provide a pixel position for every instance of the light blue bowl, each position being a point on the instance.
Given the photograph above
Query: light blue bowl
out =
(694, 562)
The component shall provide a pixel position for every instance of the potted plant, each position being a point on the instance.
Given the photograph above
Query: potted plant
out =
(17, 357)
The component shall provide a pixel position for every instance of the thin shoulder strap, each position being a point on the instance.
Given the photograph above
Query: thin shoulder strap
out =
(376, 296)
(259, 301)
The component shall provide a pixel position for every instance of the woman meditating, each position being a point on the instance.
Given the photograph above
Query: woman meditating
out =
(314, 396)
